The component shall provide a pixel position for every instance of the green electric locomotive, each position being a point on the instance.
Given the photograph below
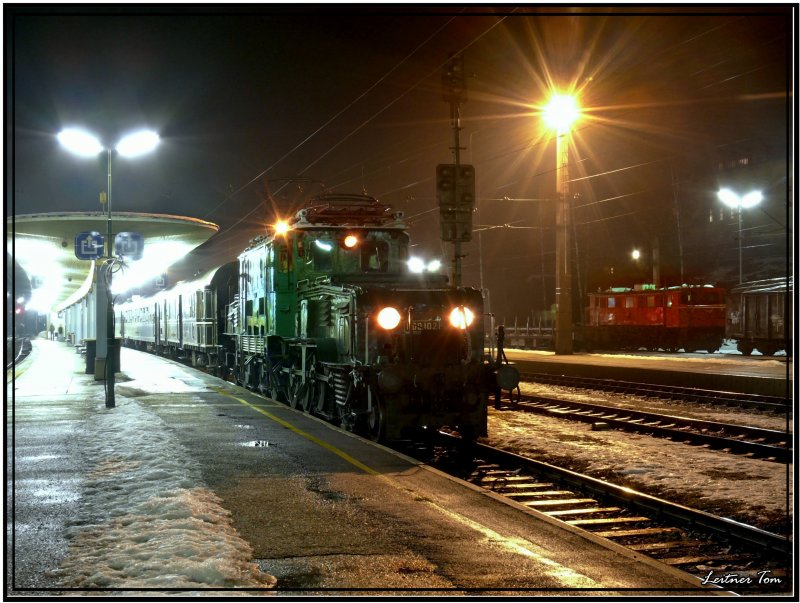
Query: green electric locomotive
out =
(329, 319)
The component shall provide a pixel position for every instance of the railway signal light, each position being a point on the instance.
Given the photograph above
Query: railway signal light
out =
(455, 191)
(454, 87)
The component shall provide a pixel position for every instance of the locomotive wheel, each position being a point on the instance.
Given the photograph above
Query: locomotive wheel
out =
(298, 395)
(246, 378)
(745, 348)
(275, 383)
(297, 391)
(376, 422)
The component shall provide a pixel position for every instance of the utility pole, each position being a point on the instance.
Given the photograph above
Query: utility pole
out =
(563, 330)
(677, 209)
(455, 183)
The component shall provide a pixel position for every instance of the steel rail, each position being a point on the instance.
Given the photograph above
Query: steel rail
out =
(724, 527)
(755, 401)
(22, 349)
(669, 426)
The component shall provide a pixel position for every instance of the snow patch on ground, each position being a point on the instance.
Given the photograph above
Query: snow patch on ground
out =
(146, 519)
(718, 478)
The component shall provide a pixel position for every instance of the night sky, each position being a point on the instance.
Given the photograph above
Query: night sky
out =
(260, 107)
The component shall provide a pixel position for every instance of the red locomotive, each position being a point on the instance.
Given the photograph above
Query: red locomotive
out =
(688, 317)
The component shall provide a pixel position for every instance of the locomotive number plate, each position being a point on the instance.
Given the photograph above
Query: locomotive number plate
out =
(425, 325)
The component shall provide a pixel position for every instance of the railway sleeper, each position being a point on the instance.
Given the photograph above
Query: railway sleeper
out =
(519, 488)
(606, 521)
(536, 494)
(651, 547)
(639, 532)
(587, 511)
(694, 560)
(566, 502)
(511, 479)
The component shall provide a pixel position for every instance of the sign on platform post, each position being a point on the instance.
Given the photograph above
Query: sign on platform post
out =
(89, 245)
(129, 245)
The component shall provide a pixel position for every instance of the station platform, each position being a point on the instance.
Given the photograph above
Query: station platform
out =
(192, 484)
(767, 376)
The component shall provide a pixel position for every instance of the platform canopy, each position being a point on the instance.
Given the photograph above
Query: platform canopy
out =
(44, 245)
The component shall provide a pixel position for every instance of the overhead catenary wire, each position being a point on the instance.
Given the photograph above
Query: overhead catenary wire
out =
(366, 122)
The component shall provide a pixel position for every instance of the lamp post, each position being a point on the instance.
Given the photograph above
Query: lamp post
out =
(84, 144)
(733, 200)
(560, 113)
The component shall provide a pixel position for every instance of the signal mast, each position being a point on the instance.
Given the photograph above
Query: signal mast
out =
(455, 182)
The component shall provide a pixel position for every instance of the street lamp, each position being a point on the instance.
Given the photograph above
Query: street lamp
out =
(734, 201)
(560, 113)
(84, 144)
(417, 265)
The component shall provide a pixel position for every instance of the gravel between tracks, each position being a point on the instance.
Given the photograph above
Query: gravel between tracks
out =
(749, 490)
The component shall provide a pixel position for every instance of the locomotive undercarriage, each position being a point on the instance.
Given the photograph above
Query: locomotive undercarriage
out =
(384, 402)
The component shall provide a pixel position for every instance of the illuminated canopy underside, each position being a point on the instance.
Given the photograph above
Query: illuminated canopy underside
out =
(44, 246)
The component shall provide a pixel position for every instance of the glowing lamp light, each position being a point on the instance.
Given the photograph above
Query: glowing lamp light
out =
(461, 317)
(388, 318)
(636, 254)
(416, 265)
(138, 143)
(752, 199)
(561, 112)
(79, 142)
(350, 241)
(281, 227)
(434, 266)
(731, 199)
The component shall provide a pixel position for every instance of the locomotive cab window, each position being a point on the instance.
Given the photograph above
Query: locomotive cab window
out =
(374, 256)
(322, 255)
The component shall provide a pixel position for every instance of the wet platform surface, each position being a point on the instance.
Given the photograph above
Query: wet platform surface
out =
(194, 483)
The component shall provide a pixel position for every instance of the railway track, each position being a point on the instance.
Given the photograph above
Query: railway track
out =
(669, 392)
(767, 444)
(21, 348)
(693, 541)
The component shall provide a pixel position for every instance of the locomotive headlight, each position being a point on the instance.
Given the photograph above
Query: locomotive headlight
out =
(461, 317)
(350, 241)
(388, 318)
